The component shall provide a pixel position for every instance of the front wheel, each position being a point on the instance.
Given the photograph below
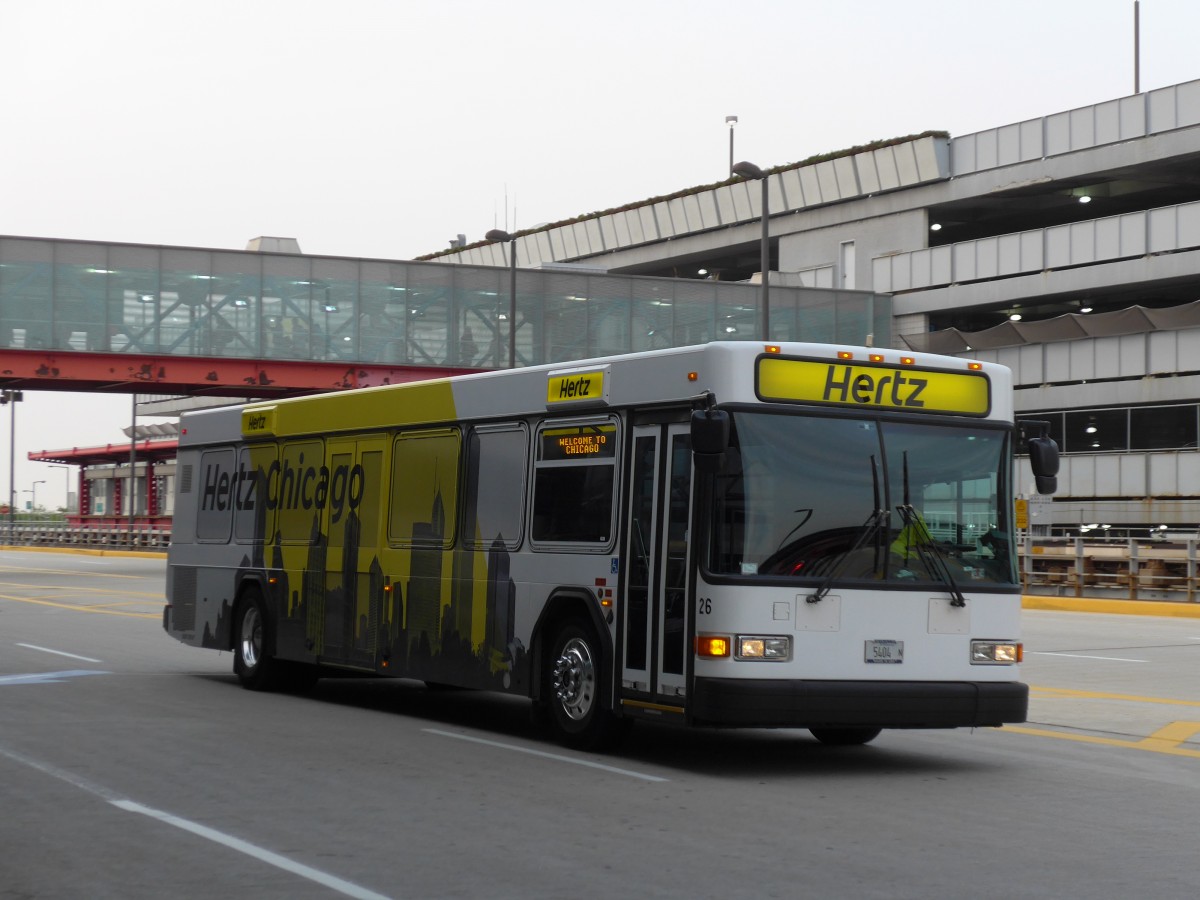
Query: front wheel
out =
(574, 687)
(845, 737)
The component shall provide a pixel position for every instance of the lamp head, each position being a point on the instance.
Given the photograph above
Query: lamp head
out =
(748, 170)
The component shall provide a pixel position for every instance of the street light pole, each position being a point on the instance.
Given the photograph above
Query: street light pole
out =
(67, 496)
(497, 234)
(33, 499)
(133, 469)
(731, 121)
(12, 398)
(750, 171)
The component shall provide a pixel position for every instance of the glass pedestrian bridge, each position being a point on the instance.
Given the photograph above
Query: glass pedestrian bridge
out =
(152, 301)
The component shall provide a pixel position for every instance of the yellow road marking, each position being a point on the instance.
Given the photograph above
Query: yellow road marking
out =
(1100, 695)
(80, 608)
(124, 603)
(88, 573)
(1165, 740)
(56, 589)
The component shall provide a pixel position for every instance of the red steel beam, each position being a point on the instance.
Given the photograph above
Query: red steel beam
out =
(124, 373)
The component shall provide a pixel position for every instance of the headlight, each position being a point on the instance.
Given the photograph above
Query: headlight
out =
(996, 653)
(764, 648)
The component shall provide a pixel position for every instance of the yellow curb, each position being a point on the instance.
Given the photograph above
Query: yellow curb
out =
(1116, 607)
(88, 551)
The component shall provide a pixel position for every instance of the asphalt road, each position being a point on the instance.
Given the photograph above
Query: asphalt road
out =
(132, 766)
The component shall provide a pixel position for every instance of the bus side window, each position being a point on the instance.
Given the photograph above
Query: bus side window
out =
(297, 511)
(217, 487)
(253, 520)
(494, 500)
(574, 483)
(423, 509)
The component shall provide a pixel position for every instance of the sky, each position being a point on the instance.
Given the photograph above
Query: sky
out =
(384, 128)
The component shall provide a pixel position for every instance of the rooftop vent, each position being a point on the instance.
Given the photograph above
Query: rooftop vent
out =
(273, 245)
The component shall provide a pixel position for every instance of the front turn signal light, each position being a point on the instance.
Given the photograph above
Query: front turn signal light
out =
(713, 646)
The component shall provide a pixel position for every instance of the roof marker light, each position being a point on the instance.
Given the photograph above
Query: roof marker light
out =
(876, 357)
(975, 366)
(907, 361)
(772, 348)
(845, 354)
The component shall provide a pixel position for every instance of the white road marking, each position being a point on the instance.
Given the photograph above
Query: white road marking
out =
(273, 859)
(1083, 656)
(332, 882)
(59, 653)
(47, 677)
(544, 755)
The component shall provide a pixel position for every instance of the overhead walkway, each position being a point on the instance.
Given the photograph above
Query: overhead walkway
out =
(150, 319)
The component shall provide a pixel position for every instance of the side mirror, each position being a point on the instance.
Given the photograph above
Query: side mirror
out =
(1043, 459)
(710, 438)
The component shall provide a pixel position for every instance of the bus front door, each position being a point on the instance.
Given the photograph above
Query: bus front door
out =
(654, 634)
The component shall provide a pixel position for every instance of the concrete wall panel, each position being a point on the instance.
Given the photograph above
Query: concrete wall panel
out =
(1133, 117)
(827, 178)
(886, 168)
(710, 217)
(1082, 356)
(1131, 354)
(726, 206)
(847, 177)
(867, 172)
(570, 245)
(649, 224)
(792, 189)
(1108, 122)
(812, 186)
(595, 235)
(1106, 357)
(1132, 475)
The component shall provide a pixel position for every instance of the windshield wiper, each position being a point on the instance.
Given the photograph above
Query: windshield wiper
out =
(870, 529)
(931, 555)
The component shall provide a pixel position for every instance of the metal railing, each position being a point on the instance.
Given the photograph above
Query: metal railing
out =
(1131, 569)
(59, 533)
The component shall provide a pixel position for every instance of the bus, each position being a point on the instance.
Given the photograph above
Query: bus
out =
(743, 534)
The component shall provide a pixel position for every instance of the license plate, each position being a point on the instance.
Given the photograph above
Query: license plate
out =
(884, 651)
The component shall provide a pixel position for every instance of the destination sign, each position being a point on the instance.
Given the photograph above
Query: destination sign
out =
(873, 385)
(596, 441)
(576, 387)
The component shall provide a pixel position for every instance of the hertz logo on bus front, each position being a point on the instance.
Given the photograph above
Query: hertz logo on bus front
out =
(878, 386)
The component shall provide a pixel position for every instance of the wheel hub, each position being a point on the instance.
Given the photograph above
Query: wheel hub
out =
(574, 679)
(251, 636)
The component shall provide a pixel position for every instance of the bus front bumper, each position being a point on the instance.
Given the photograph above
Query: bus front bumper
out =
(845, 704)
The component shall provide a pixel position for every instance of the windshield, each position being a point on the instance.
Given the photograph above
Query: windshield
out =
(863, 499)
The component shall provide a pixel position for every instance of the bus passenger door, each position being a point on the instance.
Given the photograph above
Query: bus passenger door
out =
(656, 584)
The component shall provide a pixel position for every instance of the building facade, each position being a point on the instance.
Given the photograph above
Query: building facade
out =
(1066, 247)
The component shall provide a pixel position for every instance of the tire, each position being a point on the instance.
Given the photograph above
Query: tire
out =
(845, 737)
(574, 686)
(253, 664)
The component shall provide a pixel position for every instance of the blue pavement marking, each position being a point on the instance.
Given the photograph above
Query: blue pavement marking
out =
(48, 677)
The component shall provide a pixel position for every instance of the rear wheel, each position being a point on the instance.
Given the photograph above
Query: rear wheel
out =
(845, 737)
(252, 660)
(574, 687)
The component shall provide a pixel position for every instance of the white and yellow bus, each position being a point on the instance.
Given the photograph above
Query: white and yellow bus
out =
(735, 534)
